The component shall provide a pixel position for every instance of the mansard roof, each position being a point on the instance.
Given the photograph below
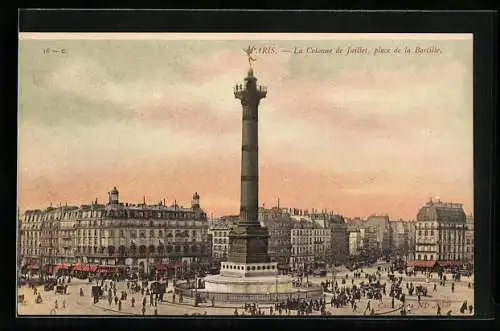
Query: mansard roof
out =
(442, 212)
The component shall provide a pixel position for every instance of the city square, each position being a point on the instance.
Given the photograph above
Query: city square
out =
(117, 257)
(78, 305)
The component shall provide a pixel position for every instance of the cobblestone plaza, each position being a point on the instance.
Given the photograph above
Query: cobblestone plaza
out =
(78, 305)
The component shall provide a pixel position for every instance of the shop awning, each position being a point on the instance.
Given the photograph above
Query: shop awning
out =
(106, 269)
(447, 264)
(421, 264)
(91, 268)
(62, 266)
(33, 266)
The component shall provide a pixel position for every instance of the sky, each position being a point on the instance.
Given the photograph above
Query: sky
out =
(155, 116)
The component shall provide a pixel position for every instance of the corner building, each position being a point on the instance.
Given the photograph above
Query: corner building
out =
(441, 232)
(134, 235)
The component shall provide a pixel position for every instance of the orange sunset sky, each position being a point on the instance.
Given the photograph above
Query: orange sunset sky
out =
(156, 117)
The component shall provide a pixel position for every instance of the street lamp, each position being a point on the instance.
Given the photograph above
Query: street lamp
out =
(333, 272)
(276, 286)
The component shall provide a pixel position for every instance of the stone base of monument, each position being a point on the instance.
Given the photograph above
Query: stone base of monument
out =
(253, 282)
(248, 285)
(257, 278)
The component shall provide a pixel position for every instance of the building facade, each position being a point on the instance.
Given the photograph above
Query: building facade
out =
(384, 234)
(279, 226)
(441, 232)
(30, 237)
(121, 234)
(310, 242)
(302, 255)
(400, 238)
(469, 239)
(369, 242)
(220, 240)
(412, 239)
(355, 243)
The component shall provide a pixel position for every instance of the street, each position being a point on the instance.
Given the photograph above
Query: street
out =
(83, 305)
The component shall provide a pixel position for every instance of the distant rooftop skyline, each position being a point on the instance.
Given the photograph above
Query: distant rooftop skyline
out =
(355, 134)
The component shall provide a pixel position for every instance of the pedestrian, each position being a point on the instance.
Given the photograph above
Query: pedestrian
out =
(64, 304)
(56, 305)
(132, 301)
(236, 312)
(452, 287)
(119, 305)
(143, 310)
(435, 288)
(438, 310)
(155, 312)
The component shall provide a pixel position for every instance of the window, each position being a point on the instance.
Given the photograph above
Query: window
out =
(152, 233)
(160, 234)
(432, 232)
(419, 257)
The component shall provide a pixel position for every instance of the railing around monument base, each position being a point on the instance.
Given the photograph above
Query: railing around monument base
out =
(307, 294)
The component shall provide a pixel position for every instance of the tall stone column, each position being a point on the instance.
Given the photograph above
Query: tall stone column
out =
(248, 241)
(249, 95)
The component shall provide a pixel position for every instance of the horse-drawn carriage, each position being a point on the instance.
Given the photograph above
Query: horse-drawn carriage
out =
(49, 285)
(421, 290)
(135, 287)
(61, 289)
(97, 291)
(158, 288)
